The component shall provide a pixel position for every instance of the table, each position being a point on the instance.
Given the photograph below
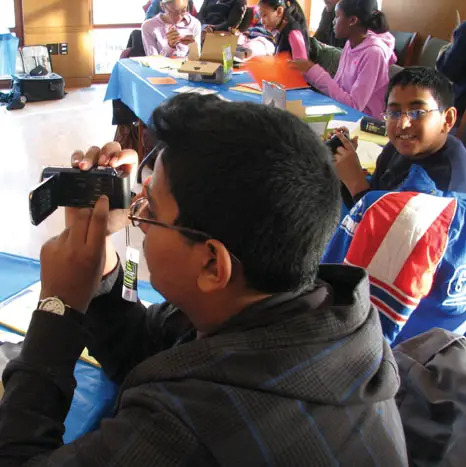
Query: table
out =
(95, 393)
(129, 83)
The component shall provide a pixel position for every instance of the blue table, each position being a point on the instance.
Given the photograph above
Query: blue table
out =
(95, 393)
(129, 83)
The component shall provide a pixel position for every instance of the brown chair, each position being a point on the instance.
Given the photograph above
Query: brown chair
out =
(430, 51)
(404, 47)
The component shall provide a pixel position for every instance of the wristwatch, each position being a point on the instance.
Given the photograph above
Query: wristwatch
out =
(53, 305)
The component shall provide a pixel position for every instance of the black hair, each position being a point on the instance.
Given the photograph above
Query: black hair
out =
(367, 12)
(293, 11)
(256, 178)
(426, 78)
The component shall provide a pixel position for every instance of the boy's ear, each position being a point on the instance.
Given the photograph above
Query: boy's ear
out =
(216, 270)
(281, 10)
(451, 115)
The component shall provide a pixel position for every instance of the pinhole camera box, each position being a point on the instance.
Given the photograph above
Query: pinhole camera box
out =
(215, 63)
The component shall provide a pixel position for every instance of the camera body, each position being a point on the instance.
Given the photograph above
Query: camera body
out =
(335, 142)
(64, 186)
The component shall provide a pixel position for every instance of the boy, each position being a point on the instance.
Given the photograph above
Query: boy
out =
(272, 360)
(419, 118)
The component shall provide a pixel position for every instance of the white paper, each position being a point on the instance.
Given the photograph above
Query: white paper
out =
(352, 126)
(10, 337)
(16, 312)
(315, 110)
(195, 90)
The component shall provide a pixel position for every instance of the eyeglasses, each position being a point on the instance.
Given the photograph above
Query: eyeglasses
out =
(417, 114)
(137, 215)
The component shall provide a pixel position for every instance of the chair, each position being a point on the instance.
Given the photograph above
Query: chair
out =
(247, 19)
(394, 70)
(430, 51)
(404, 47)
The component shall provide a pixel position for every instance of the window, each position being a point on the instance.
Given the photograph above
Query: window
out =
(113, 21)
(7, 14)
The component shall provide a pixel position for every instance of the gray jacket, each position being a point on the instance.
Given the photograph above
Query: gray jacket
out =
(295, 380)
(432, 397)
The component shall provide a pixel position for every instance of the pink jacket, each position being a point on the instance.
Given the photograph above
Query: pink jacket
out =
(154, 35)
(362, 76)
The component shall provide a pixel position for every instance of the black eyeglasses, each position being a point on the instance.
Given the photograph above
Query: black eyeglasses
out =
(416, 114)
(137, 217)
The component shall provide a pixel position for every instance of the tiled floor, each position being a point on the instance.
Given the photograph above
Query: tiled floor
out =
(43, 134)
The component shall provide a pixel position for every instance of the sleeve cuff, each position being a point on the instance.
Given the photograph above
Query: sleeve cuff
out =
(54, 341)
(109, 280)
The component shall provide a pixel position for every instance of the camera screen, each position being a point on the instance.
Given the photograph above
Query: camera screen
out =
(42, 201)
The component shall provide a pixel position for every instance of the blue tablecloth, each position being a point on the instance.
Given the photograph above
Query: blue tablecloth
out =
(8, 49)
(129, 82)
(94, 394)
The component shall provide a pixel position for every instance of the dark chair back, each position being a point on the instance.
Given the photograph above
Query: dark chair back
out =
(430, 51)
(404, 47)
(247, 19)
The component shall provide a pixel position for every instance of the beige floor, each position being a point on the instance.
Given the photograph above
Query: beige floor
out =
(42, 134)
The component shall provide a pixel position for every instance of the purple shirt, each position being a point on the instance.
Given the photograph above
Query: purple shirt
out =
(154, 35)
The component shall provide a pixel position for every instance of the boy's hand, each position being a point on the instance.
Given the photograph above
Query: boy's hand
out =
(302, 65)
(173, 37)
(189, 39)
(348, 168)
(111, 155)
(343, 130)
(72, 263)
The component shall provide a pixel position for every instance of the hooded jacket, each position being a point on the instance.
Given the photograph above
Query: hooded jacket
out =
(362, 77)
(294, 380)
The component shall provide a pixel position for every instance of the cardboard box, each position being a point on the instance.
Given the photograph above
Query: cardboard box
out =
(216, 61)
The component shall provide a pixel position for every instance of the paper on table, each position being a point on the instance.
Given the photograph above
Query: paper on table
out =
(195, 90)
(10, 337)
(241, 88)
(368, 154)
(162, 80)
(159, 63)
(16, 313)
(352, 126)
(276, 69)
(315, 110)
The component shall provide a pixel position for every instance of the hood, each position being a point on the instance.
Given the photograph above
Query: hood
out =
(384, 41)
(325, 346)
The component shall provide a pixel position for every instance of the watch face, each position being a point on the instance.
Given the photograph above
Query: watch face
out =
(53, 305)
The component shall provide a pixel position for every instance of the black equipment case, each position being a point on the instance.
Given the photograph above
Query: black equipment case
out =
(47, 86)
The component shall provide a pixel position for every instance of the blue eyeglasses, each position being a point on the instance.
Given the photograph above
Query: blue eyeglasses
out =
(417, 114)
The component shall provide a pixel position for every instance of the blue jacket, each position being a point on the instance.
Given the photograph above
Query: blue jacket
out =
(412, 243)
(452, 63)
(154, 9)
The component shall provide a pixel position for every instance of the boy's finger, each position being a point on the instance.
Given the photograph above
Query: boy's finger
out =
(98, 225)
(126, 160)
(90, 158)
(76, 158)
(109, 151)
(346, 142)
(78, 230)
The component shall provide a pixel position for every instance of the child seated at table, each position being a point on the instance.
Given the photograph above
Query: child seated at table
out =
(419, 115)
(362, 76)
(286, 19)
(169, 33)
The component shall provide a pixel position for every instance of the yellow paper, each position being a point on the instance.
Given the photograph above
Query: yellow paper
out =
(244, 89)
(370, 137)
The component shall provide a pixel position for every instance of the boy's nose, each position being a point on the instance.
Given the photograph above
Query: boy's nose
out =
(404, 121)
